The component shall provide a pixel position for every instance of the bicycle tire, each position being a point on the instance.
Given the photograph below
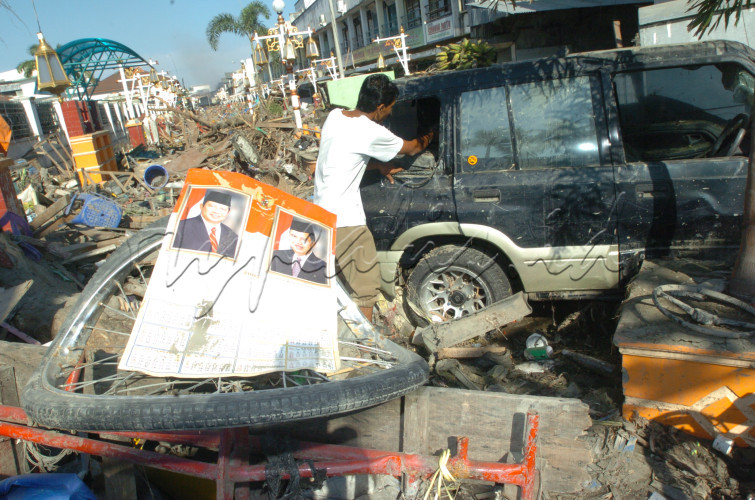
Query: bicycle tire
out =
(47, 402)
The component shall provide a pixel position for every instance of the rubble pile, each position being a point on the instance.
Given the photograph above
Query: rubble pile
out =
(76, 218)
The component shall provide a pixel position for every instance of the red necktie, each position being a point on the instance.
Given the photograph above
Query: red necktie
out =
(213, 241)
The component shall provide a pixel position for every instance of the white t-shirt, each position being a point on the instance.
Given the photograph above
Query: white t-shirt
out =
(346, 145)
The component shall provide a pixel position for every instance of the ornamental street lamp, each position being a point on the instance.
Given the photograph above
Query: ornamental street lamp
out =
(398, 43)
(50, 75)
(286, 38)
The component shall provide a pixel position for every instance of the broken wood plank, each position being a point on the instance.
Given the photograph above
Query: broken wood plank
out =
(53, 210)
(54, 226)
(92, 253)
(12, 461)
(9, 297)
(18, 333)
(450, 333)
(120, 479)
(452, 369)
(470, 352)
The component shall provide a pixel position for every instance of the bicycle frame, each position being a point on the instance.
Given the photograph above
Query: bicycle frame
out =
(234, 445)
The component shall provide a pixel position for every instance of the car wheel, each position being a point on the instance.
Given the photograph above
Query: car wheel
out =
(453, 281)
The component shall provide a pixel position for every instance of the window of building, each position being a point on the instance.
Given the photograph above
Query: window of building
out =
(345, 41)
(391, 19)
(14, 114)
(358, 36)
(372, 31)
(413, 14)
(437, 9)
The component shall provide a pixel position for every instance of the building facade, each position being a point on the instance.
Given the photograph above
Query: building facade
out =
(525, 30)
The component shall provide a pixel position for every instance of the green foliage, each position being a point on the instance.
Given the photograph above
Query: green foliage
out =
(275, 109)
(27, 67)
(708, 14)
(245, 25)
(464, 55)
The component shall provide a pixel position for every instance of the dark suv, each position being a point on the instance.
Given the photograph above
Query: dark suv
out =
(557, 176)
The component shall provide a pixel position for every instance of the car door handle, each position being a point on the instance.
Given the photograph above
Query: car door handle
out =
(487, 195)
(650, 190)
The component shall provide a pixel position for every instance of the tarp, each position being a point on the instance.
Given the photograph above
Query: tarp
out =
(344, 92)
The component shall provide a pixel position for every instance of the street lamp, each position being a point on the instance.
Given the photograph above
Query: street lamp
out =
(286, 38)
(398, 43)
(50, 74)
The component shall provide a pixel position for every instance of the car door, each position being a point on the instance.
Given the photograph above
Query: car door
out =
(420, 194)
(677, 194)
(532, 163)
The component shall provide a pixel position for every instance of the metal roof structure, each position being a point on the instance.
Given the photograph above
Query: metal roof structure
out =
(85, 60)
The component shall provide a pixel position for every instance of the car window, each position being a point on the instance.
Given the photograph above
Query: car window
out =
(412, 118)
(555, 124)
(676, 113)
(485, 132)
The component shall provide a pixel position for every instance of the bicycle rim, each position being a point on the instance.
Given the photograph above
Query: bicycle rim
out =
(78, 385)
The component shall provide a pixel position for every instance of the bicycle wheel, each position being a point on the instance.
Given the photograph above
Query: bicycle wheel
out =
(78, 385)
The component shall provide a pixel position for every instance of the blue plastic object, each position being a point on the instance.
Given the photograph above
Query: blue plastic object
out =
(97, 211)
(156, 176)
(45, 487)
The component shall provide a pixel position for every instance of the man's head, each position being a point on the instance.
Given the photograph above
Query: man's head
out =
(302, 236)
(377, 95)
(215, 206)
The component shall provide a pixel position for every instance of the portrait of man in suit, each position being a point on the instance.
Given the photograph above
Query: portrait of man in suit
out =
(206, 232)
(299, 261)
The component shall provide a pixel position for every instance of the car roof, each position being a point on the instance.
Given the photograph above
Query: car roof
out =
(579, 63)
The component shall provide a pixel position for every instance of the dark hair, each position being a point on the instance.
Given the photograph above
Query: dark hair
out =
(376, 90)
(217, 197)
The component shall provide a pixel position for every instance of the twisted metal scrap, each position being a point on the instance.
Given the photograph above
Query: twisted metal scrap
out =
(702, 317)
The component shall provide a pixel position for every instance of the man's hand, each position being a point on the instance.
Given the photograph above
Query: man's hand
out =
(388, 170)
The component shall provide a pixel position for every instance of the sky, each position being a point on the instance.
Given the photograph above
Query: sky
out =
(171, 32)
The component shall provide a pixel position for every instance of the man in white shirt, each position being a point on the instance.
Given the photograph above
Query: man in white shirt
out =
(351, 142)
(206, 232)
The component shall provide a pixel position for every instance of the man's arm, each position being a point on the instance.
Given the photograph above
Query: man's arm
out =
(416, 146)
(411, 148)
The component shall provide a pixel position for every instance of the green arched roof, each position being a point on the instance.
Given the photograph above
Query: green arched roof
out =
(85, 60)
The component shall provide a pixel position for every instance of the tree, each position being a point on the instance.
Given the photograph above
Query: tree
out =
(708, 15)
(28, 66)
(245, 25)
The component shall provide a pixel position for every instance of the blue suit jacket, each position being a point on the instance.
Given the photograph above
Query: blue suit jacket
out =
(192, 235)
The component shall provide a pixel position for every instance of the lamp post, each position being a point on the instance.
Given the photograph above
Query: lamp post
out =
(50, 74)
(285, 39)
(398, 43)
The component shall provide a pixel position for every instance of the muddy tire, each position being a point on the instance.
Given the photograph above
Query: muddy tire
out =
(453, 281)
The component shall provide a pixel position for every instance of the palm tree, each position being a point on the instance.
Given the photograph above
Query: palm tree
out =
(708, 14)
(28, 66)
(245, 25)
